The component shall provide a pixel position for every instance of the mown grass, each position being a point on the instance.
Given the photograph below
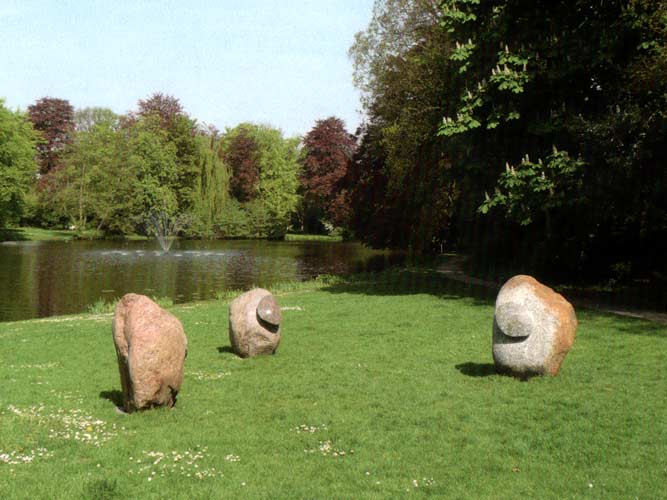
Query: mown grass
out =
(35, 234)
(312, 237)
(394, 370)
(39, 234)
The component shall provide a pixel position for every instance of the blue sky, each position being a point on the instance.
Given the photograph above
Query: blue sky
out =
(228, 61)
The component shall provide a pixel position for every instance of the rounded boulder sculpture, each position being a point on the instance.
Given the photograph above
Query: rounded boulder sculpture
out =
(533, 328)
(254, 323)
(151, 347)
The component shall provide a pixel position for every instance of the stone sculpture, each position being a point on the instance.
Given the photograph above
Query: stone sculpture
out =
(533, 328)
(151, 348)
(254, 323)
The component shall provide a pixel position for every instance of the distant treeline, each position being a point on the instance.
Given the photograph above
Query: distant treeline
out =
(93, 169)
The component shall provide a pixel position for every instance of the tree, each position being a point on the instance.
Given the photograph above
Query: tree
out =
(542, 76)
(87, 118)
(242, 157)
(212, 186)
(264, 180)
(54, 119)
(461, 94)
(279, 178)
(155, 164)
(404, 188)
(166, 113)
(328, 151)
(17, 162)
(164, 106)
(80, 190)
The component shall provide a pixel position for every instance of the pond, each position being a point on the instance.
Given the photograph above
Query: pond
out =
(42, 279)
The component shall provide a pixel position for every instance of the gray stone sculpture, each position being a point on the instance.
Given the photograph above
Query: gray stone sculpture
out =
(151, 347)
(533, 328)
(254, 323)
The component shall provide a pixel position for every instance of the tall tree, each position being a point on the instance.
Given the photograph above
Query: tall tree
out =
(264, 180)
(54, 119)
(212, 187)
(80, 190)
(17, 162)
(167, 114)
(242, 157)
(328, 151)
(404, 188)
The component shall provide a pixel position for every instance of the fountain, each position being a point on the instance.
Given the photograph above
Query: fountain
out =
(165, 227)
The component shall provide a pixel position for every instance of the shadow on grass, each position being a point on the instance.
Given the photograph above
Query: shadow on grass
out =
(396, 281)
(414, 281)
(226, 349)
(477, 369)
(642, 327)
(116, 397)
(625, 325)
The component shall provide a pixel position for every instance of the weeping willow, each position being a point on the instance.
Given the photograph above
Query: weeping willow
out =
(212, 188)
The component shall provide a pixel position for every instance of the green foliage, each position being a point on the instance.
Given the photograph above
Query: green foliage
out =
(268, 214)
(507, 79)
(102, 306)
(18, 167)
(402, 190)
(117, 171)
(154, 162)
(88, 118)
(532, 187)
(211, 194)
(488, 77)
(80, 190)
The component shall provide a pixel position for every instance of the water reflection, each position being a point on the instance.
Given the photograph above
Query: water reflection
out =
(48, 278)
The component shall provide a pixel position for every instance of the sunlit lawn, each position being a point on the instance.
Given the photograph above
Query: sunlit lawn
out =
(39, 234)
(35, 234)
(382, 388)
(311, 237)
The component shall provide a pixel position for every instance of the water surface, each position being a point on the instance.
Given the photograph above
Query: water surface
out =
(39, 279)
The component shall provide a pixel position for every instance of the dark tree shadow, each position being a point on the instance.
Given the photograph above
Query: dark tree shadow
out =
(226, 348)
(477, 369)
(116, 397)
(11, 235)
(643, 327)
(413, 281)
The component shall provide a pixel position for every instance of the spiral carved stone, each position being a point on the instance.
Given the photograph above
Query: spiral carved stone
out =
(533, 328)
(254, 323)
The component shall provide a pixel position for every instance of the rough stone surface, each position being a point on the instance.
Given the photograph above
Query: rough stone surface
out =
(254, 323)
(533, 328)
(151, 348)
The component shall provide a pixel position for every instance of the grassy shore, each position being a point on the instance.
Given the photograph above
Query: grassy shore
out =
(383, 387)
(39, 234)
(35, 234)
(312, 237)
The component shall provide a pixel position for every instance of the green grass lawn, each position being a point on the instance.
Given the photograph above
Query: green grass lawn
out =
(312, 237)
(35, 234)
(39, 234)
(383, 387)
